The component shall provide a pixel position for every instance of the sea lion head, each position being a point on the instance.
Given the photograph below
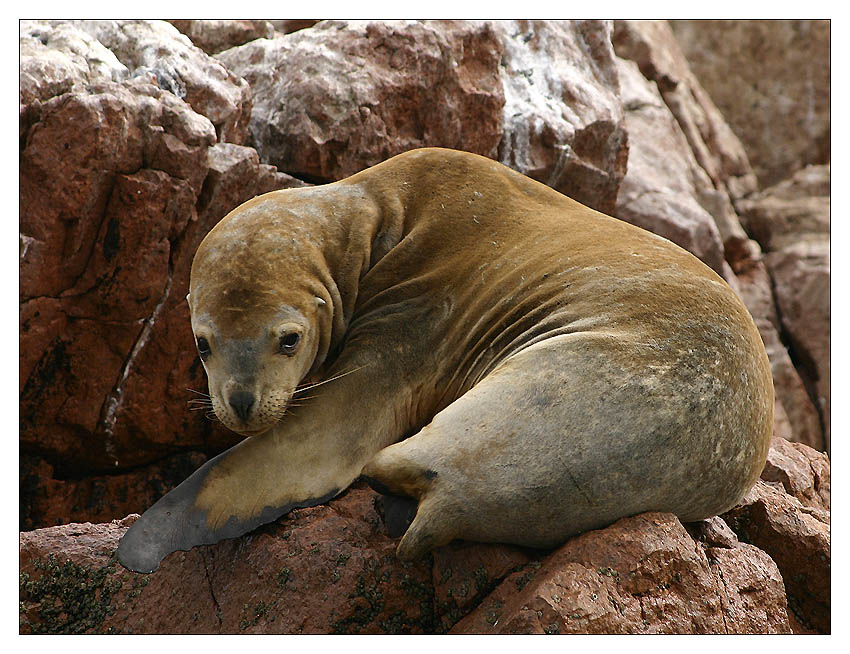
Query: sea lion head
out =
(258, 315)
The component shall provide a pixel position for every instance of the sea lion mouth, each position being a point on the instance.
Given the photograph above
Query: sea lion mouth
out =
(244, 431)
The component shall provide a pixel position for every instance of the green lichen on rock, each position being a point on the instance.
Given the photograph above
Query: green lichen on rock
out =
(367, 588)
(68, 598)
(283, 576)
(522, 580)
(370, 605)
(253, 615)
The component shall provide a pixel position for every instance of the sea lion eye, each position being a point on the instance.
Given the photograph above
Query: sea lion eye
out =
(288, 343)
(203, 348)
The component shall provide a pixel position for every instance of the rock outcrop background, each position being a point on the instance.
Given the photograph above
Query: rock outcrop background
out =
(136, 137)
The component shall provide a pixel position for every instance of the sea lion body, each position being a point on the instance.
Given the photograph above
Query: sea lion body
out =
(552, 368)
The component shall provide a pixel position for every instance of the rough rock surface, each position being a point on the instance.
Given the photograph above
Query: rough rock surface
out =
(213, 36)
(791, 220)
(652, 45)
(795, 416)
(563, 119)
(48, 499)
(797, 539)
(644, 574)
(539, 96)
(664, 180)
(686, 167)
(105, 248)
(384, 88)
(292, 24)
(771, 81)
(331, 569)
(89, 51)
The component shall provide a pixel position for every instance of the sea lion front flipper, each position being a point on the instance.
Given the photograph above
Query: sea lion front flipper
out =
(305, 460)
(216, 502)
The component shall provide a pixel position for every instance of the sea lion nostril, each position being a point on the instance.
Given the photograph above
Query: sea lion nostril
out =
(242, 401)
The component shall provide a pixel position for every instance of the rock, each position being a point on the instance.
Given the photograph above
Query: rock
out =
(771, 81)
(802, 471)
(793, 404)
(292, 25)
(652, 45)
(641, 575)
(60, 58)
(328, 569)
(332, 569)
(779, 215)
(797, 538)
(791, 221)
(563, 118)
(660, 190)
(213, 36)
(47, 499)
(141, 48)
(801, 276)
(106, 351)
(384, 88)
(539, 96)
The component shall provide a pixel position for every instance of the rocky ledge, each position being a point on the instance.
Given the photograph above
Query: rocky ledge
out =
(763, 567)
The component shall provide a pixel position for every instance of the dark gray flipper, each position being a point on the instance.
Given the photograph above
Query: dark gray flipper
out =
(173, 523)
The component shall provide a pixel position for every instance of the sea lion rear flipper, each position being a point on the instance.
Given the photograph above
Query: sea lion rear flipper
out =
(177, 522)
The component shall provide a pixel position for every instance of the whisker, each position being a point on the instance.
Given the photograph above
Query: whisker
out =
(335, 377)
(192, 390)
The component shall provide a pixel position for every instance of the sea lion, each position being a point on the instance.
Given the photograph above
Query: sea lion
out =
(552, 368)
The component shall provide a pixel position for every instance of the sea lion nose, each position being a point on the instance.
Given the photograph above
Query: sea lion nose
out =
(242, 401)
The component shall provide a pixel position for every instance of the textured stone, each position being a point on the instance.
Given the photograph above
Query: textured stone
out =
(797, 538)
(791, 221)
(292, 24)
(332, 569)
(664, 180)
(563, 117)
(795, 416)
(355, 94)
(641, 575)
(106, 350)
(47, 499)
(59, 58)
(801, 275)
(771, 81)
(652, 45)
(802, 471)
(328, 569)
(797, 206)
(541, 96)
(151, 49)
(213, 36)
